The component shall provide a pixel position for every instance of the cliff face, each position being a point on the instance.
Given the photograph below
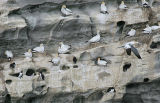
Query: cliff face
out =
(27, 23)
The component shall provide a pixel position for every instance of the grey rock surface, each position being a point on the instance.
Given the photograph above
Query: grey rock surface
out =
(25, 24)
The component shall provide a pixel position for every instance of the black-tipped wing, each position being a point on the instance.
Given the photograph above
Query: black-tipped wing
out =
(128, 51)
(135, 51)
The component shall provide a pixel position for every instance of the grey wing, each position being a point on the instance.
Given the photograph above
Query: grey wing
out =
(128, 51)
(135, 51)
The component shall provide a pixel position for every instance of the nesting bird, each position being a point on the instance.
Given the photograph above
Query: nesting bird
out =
(28, 54)
(122, 6)
(101, 62)
(65, 11)
(155, 27)
(56, 60)
(95, 38)
(39, 49)
(147, 30)
(103, 8)
(20, 75)
(9, 54)
(129, 47)
(63, 48)
(145, 3)
(132, 32)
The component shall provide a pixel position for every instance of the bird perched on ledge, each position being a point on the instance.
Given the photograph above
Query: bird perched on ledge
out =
(63, 48)
(9, 54)
(155, 27)
(123, 6)
(56, 60)
(39, 49)
(103, 8)
(65, 11)
(101, 62)
(28, 54)
(95, 38)
(147, 30)
(132, 32)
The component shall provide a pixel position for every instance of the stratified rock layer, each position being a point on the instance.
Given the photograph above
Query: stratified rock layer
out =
(25, 24)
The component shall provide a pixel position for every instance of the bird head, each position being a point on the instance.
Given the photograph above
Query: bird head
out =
(60, 43)
(29, 50)
(147, 25)
(98, 58)
(122, 2)
(41, 45)
(102, 2)
(132, 29)
(63, 6)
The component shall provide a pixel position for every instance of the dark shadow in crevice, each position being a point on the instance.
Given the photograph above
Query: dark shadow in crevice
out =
(8, 81)
(126, 66)
(30, 72)
(120, 26)
(8, 98)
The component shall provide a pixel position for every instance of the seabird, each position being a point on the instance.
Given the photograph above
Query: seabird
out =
(111, 90)
(63, 48)
(9, 54)
(56, 60)
(20, 75)
(101, 62)
(74, 60)
(103, 8)
(95, 38)
(129, 47)
(65, 11)
(147, 30)
(28, 54)
(39, 49)
(41, 75)
(132, 32)
(155, 27)
(12, 65)
(145, 3)
(122, 5)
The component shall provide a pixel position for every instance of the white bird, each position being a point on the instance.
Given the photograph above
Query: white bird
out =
(63, 48)
(9, 54)
(103, 8)
(148, 29)
(129, 47)
(39, 49)
(95, 38)
(20, 75)
(101, 62)
(155, 27)
(65, 11)
(122, 5)
(28, 54)
(145, 3)
(132, 32)
(56, 60)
